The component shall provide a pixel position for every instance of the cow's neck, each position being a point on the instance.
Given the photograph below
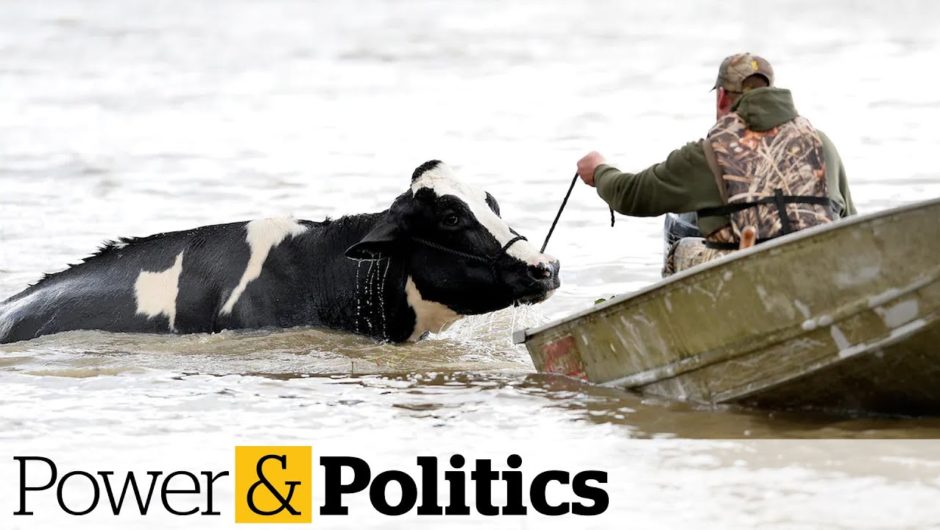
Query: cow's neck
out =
(371, 297)
(430, 316)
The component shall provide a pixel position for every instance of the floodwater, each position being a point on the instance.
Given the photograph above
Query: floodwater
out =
(126, 118)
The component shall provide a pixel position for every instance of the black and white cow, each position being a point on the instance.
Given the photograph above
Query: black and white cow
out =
(439, 252)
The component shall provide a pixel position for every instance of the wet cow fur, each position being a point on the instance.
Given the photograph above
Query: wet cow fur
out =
(439, 252)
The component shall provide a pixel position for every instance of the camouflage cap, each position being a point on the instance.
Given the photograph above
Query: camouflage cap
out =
(735, 69)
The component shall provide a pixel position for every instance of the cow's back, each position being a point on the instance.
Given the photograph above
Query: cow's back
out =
(169, 282)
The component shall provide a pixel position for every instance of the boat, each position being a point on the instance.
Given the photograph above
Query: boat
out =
(843, 316)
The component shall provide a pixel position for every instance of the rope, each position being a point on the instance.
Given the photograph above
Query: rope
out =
(490, 260)
(574, 180)
(448, 250)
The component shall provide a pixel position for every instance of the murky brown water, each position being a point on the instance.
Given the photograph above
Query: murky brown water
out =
(130, 118)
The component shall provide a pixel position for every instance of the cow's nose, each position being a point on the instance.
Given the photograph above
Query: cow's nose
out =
(545, 270)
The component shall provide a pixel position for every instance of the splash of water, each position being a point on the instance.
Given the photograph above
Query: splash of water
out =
(356, 295)
(388, 263)
(370, 293)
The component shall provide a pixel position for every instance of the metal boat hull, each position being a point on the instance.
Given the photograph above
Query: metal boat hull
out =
(843, 316)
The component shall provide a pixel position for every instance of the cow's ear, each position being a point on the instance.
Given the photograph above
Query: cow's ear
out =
(379, 243)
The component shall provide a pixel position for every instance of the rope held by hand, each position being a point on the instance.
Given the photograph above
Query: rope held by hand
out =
(548, 236)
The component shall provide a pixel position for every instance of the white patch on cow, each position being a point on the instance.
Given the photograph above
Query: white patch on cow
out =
(156, 292)
(442, 180)
(262, 235)
(429, 316)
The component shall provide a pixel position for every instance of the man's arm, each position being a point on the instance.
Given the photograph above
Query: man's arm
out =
(835, 176)
(846, 194)
(683, 183)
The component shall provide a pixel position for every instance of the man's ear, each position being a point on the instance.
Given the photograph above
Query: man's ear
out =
(383, 240)
(724, 102)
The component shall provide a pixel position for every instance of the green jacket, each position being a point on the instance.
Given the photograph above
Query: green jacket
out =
(684, 182)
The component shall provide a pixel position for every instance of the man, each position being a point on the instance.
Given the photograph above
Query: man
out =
(762, 170)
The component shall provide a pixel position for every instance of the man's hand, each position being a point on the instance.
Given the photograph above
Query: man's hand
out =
(587, 165)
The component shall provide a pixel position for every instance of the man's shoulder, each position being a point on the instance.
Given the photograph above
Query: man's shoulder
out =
(823, 136)
(692, 151)
(689, 158)
(689, 168)
(829, 148)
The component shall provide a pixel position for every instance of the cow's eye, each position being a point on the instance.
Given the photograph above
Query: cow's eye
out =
(450, 220)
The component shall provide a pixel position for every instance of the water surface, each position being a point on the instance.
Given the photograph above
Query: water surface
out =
(126, 118)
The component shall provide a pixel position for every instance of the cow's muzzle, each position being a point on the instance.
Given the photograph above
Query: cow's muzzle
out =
(542, 280)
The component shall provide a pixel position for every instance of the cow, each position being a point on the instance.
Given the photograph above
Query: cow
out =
(441, 251)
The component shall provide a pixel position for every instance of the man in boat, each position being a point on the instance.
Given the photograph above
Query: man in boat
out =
(761, 172)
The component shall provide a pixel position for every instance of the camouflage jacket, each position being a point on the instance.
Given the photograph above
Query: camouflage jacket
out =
(684, 182)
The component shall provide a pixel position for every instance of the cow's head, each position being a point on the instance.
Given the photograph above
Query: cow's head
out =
(458, 250)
